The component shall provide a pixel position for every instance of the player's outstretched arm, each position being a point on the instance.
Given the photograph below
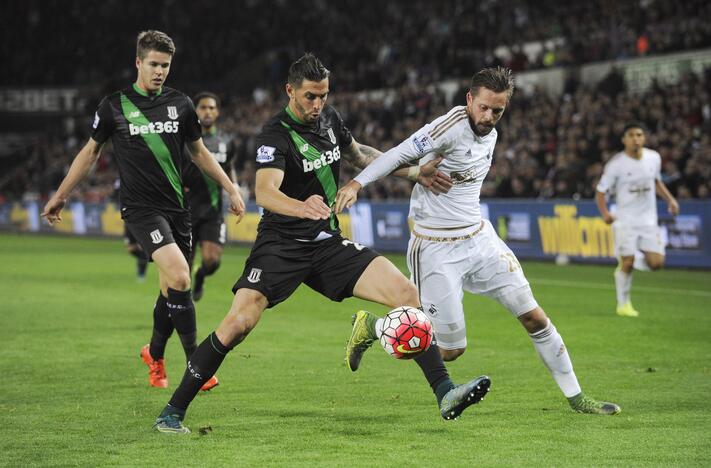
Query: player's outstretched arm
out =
(427, 175)
(602, 207)
(202, 157)
(271, 198)
(663, 191)
(80, 167)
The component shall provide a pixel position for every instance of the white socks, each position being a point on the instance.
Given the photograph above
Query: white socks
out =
(379, 328)
(640, 262)
(623, 284)
(552, 351)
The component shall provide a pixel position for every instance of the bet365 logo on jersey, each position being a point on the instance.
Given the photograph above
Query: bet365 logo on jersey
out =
(327, 158)
(153, 127)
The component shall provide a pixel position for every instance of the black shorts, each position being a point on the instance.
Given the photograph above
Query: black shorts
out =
(277, 266)
(153, 229)
(128, 238)
(209, 229)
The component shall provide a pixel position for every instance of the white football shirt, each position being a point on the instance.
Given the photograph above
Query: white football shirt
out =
(467, 159)
(633, 183)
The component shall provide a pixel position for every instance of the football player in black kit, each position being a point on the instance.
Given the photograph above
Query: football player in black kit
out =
(149, 125)
(299, 241)
(205, 195)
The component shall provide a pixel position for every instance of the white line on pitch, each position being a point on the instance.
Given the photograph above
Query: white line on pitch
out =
(580, 284)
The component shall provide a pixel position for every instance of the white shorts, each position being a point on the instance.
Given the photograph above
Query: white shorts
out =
(444, 267)
(629, 239)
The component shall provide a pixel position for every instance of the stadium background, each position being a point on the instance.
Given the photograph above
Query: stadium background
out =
(393, 70)
(71, 315)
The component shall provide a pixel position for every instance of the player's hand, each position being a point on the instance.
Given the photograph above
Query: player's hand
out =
(314, 208)
(346, 196)
(673, 207)
(432, 178)
(608, 218)
(53, 210)
(237, 205)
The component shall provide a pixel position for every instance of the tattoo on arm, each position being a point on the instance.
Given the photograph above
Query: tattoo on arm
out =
(361, 155)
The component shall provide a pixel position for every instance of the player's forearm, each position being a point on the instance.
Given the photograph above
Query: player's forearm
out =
(386, 164)
(278, 202)
(82, 164)
(601, 204)
(207, 164)
(663, 191)
(364, 155)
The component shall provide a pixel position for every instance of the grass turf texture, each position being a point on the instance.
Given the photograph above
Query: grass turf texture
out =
(75, 390)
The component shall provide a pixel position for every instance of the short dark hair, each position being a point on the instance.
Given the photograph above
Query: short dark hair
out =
(153, 40)
(630, 125)
(308, 67)
(206, 95)
(497, 79)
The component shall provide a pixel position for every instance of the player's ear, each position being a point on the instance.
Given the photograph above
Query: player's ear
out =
(138, 62)
(289, 90)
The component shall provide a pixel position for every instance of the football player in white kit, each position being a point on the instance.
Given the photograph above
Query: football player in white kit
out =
(633, 176)
(452, 248)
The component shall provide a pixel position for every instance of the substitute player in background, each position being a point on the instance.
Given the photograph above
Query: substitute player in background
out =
(299, 241)
(452, 248)
(205, 195)
(634, 177)
(149, 125)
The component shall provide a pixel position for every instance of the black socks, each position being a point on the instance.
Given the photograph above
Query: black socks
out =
(435, 371)
(182, 313)
(162, 328)
(202, 365)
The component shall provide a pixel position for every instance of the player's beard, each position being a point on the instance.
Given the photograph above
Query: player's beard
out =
(480, 129)
(308, 118)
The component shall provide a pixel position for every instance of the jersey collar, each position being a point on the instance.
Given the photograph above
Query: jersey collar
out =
(311, 127)
(144, 93)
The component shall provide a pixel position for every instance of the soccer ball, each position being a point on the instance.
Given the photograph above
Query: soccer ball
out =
(406, 332)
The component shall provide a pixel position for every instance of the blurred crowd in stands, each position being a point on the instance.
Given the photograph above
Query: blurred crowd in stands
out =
(548, 146)
(372, 44)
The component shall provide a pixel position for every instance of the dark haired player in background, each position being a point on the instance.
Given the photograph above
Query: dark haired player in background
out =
(149, 125)
(205, 195)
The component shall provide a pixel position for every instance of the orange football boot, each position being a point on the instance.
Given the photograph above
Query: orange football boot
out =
(156, 369)
(210, 384)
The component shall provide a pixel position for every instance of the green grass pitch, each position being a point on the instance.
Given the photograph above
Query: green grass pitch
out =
(74, 390)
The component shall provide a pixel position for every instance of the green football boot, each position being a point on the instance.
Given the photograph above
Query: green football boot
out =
(582, 403)
(170, 422)
(362, 337)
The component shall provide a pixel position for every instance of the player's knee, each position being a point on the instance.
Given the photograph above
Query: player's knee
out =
(407, 294)
(626, 264)
(451, 354)
(534, 321)
(655, 263)
(180, 281)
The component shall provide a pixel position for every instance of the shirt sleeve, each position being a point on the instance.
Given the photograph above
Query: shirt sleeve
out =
(607, 180)
(191, 124)
(344, 134)
(417, 146)
(271, 150)
(658, 164)
(103, 126)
